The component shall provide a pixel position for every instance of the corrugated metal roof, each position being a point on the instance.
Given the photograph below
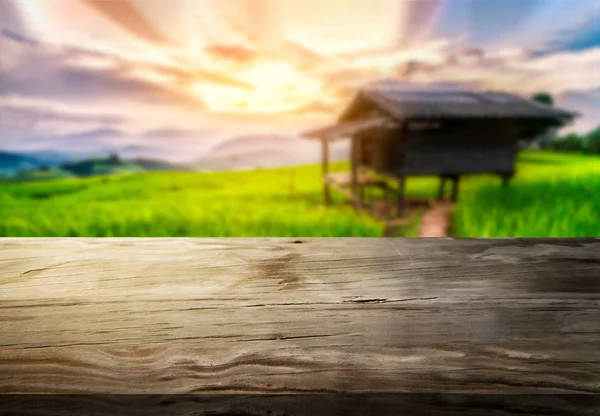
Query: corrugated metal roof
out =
(403, 102)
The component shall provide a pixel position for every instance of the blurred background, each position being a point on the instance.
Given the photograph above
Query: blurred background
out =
(183, 117)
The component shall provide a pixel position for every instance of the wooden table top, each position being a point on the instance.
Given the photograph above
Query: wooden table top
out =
(385, 317)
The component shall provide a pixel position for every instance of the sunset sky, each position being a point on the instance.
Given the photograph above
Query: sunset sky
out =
(169, 78)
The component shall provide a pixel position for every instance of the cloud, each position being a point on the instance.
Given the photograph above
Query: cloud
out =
(10, 17)
(487, 22)
(17, 37)
(125, 14)
(83, 141)
(233, 52)
(187, 136)
(587, 103)
(76, 75)
(16, 109)
(562, 71)
(583, 36)
(513, 69)
(175, 100)
(35, 125)
(27, 123)
(101, 133)
(168, 133)
(417, 20)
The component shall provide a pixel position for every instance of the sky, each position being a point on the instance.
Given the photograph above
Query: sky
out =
(170, 78)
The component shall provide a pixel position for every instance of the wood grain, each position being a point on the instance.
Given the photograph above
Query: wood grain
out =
(273, 316)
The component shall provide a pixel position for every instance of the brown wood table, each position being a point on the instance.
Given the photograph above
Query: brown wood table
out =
(307, 326)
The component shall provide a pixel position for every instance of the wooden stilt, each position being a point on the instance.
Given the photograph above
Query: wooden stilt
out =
(506, 179)
(455, 183)
(358, 162)
(400, 203)
(442, 188)
(326, 188)
(354, 166)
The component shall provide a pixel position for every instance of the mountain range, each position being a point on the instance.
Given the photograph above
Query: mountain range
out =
(16, 162)
(265, 151)
(236, 153)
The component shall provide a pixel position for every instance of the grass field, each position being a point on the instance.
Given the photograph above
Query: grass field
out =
(553, 195)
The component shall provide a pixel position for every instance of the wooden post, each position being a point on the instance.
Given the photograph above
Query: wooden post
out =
(361, 193)
(506, 179)
(358, 160)
(401, 189)
(442, 188)
(326, 188)
(354, 165)
(455, 182)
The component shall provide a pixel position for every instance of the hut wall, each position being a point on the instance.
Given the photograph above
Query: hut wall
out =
(441, 148)
(462, 147)
(379, 150)
(459, 161)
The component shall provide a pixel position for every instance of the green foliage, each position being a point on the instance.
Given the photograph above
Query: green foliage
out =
(39, 175)
(592, 143)
(543, 97)
(570, 143)
(589, 143)
(111, 165)
(228, 204)
(552, 195)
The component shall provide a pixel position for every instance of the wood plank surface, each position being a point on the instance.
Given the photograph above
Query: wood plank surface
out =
(375, 316)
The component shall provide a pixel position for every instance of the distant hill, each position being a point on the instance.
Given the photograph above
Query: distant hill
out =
(113, 164)
(265, 151)
(55, 158)
(239, 144)
(50, 165)
(100, 166)
(157, 165)
(248, 160)
(237, 153)
(14, 163)
(41, 175)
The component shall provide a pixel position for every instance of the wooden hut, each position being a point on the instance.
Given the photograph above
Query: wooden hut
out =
(397, 132)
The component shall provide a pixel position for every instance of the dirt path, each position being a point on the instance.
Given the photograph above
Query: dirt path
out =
(435, 222)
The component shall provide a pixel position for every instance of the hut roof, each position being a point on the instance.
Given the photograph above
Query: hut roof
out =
(400, 102)
(341, 130)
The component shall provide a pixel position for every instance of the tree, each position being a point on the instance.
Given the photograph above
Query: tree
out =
(592, 143)
(114, 158)
(569, 143)
(543, 97)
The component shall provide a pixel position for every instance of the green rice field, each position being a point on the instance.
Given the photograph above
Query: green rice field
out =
(553, 195)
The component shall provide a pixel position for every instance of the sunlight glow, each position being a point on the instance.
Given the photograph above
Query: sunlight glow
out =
(277, 73)
(276, 87)
(291, 57)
